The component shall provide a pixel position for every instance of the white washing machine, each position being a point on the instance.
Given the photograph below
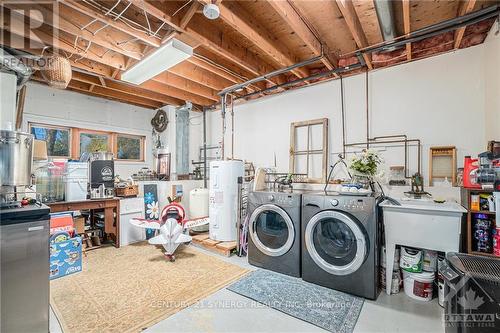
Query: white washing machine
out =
(131, 208)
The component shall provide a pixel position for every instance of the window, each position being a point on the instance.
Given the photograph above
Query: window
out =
(71, 142)
(58, 139)
(129, 147)
(92, 141)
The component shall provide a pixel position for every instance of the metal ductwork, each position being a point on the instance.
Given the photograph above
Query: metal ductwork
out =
(386, 20)
(9, 61)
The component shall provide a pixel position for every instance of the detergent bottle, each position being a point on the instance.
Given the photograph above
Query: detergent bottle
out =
(471, 166)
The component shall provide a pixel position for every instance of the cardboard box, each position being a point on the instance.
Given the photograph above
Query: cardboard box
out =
(79, 223)
(65, 257)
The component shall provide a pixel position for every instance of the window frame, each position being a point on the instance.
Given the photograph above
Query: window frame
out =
(142, 140)
(78, 131)
(56, 127)
(74, 141)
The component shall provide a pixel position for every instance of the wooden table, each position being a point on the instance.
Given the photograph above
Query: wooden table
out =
(111, 207)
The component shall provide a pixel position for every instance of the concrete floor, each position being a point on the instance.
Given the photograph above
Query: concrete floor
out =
(225, 311)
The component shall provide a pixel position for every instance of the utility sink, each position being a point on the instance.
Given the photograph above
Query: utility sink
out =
(422, 224)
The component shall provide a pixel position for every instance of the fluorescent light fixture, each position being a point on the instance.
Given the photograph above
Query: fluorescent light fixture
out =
(167, 56)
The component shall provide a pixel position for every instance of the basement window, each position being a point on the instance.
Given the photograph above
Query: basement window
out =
(58, 139)
(71, 142)
(93, 141)
(129, 147)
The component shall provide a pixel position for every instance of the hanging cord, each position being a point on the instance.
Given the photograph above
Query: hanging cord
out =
(339, 161)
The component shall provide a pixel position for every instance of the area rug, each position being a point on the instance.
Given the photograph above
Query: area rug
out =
(329, 309)
(133, 287)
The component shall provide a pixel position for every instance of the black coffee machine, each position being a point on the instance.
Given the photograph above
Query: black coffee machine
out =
(101, 175)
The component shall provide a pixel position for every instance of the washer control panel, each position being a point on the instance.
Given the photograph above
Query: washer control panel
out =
(354, 204)
(285, 200)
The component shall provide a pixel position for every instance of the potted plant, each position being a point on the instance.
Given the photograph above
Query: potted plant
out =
(364, 167)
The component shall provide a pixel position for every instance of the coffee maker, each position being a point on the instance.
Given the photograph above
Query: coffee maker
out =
(101, 175)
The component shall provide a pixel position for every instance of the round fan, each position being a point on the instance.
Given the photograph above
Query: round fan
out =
(160, 121)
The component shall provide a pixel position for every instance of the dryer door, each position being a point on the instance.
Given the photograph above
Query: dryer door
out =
(271, 230)
(336, 242)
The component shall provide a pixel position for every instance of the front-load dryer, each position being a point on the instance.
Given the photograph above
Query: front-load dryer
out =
(340, 242)
(274, 231)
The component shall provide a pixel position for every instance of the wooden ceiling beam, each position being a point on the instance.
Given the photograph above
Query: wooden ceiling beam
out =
(407, 27)
(288, 13)
(173, 22)
(171, 91)
(212, 38)
(346, 7)
(15, 24)
(198, 74)
(465, 8)
(189, 14)
(192, 86)
(237, 18)
(125, 88)
(96, 90)
(117, 24)
(115, 95)
(68, 23)
(214, 69)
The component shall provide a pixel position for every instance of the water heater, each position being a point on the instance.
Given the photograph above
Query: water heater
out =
(223, 199)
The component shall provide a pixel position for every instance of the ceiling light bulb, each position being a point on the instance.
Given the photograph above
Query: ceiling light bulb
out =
(211, 11)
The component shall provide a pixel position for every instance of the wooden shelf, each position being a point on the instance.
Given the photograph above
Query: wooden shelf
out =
(484, 254)
(487, 212)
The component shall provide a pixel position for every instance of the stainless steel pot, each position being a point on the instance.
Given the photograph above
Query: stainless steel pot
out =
(16, 157)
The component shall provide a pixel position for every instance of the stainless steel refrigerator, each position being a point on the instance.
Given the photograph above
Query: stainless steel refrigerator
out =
(24, 245)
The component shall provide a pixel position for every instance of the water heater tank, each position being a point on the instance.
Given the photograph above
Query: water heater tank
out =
(223, 199)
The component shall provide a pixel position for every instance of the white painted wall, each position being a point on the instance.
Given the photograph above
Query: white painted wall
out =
(66, 108)
(7, 99)
(439, 100)
(492, 83)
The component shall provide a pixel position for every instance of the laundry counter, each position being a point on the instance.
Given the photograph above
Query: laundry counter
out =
(421, 224)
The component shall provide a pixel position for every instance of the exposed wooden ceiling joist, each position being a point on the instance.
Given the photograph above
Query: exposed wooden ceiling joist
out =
(94, 89)
(465, 8)
(122, 87)
(117, 24)
(212, 38)
(407, 28)
(288, 13)
(351, 18)
(236, 17)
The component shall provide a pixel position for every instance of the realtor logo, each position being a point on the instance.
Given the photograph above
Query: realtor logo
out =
(474, 306)
(29, 26)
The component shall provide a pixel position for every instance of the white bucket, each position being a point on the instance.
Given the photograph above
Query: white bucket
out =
(76, 170)
(76, 189)
(411, 259)
(419, 286)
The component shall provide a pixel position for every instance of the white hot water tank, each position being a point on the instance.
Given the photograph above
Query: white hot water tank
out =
(223, 199)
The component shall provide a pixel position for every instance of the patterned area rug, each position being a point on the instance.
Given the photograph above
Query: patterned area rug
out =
(329, 309)
(133, 287)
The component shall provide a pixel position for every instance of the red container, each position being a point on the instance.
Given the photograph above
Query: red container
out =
(470, 172)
